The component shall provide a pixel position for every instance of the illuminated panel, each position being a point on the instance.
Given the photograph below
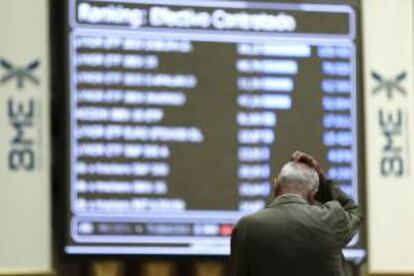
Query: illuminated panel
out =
(181, 113)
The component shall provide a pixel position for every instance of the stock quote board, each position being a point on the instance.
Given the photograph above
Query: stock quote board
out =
(182, 112)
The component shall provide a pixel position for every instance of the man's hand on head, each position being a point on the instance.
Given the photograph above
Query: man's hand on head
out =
(307, 159)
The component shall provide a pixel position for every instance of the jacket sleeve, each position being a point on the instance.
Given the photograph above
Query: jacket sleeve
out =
(346, 215)
(238, 260)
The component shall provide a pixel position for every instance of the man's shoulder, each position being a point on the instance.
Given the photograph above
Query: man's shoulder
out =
(249, 218)
(330, 208)
(325, 214)
(253, 218)
(272, 213)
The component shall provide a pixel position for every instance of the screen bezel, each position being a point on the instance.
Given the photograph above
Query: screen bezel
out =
(60, 99)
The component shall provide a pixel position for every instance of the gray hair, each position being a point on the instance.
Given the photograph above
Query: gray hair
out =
(294, 172)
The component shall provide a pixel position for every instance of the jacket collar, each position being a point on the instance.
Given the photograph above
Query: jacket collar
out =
(287, 199)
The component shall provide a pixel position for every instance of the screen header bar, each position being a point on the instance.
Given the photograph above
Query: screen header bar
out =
(213, 16)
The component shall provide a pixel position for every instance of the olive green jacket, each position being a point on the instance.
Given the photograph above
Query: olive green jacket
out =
(291, 237)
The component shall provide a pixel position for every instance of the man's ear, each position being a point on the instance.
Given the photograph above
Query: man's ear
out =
(276, 187)
(311, 196)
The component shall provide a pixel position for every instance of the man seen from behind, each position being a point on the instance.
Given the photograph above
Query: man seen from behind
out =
(297, 235)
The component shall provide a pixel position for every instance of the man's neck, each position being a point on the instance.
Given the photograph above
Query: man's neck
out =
(297, 192)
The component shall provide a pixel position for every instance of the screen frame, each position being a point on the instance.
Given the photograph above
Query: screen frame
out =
(61, 129)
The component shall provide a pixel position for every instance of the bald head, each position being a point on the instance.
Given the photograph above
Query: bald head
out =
(297, 178)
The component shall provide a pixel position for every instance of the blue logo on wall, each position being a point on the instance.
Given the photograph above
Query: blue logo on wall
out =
(389, 85)
(21, 74)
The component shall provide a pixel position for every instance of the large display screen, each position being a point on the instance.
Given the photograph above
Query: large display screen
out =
(182, 112)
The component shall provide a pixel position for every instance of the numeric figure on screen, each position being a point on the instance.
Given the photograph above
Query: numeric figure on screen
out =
(302, 231)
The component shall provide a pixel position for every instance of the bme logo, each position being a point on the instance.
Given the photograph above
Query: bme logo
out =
(19, 73)
(389, 85)
(22, 109)
(392, 116)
